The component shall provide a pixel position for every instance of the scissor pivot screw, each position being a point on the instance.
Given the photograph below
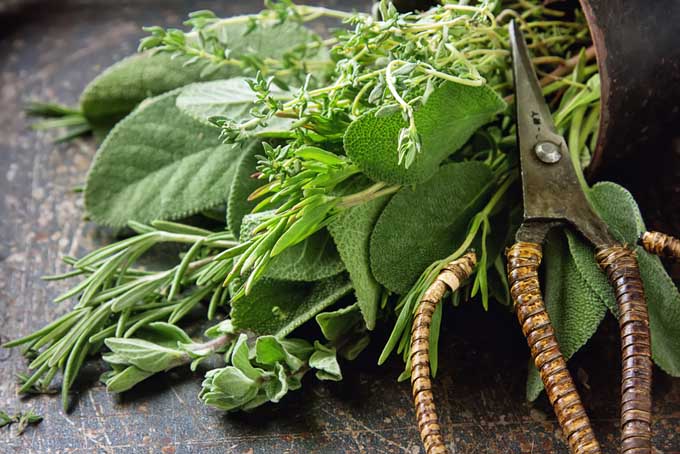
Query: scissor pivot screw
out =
(548, 152)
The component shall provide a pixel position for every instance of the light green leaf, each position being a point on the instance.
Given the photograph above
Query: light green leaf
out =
(277, 387)
(310, 260)
(230, 98)
(575, 310)
(117, 91)
(325, 362)
(240, 358)
(243, 184)
(402, 248)
(146, 355)
(269, 350)
(351, 232)
(159, 164)
(278, 307)
(228, 388)
(451, 115)
(126, 379)
(345, 326)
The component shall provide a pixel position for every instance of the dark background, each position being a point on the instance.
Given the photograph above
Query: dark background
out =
(50, 50)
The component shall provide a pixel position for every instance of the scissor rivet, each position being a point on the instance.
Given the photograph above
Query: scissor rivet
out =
(548, 152)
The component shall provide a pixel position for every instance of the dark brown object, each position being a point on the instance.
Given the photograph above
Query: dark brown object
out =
(621, 267)
(450, 278)
(661, 244)
(524, 259)
(639, 63)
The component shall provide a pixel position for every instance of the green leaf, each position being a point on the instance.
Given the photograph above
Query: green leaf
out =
(228, 388)
(269, 350)
(126, 379)
(146, 355)
(445, 122)
(116, 92)
(325, 362)
(619, 210)
(351, 232)
(310, 260)
(240, 358)
(402, 248)
(575, 310)
(230, 98)
(278, 307)
(243, 184)
(159, 164)
(345, 326)
(277, 387)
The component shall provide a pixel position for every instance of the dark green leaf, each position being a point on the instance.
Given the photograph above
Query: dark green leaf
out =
(351, 232)
(618, 208)
(575, 310)
(278, 307)
(451, 115)
(159, 164)
(402, 248)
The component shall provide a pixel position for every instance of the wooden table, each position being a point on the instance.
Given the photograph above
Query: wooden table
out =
(49, 51)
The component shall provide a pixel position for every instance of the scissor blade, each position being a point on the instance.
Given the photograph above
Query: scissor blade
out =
(532, 111)
(550, 186)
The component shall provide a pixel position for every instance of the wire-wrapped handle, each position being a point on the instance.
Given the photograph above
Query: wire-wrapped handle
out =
(523, 261)
(450, 278)
(623, 272)
(661, 244)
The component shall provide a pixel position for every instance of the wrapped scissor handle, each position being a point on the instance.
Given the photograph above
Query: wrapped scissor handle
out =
(621, 266)
(524, 259)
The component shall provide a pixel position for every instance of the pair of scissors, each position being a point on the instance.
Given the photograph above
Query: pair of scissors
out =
(553, 197)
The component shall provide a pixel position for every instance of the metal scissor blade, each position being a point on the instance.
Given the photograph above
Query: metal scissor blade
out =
(533, 114)
(550, 186)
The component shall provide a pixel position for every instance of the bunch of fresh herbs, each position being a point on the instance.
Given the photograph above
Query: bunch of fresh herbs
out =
(345, 173)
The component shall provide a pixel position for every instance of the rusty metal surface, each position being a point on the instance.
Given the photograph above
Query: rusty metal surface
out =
(50, 51)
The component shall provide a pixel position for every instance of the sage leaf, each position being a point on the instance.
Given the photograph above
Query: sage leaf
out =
(243, 184)
(325, 362)
(146, 355)
(159, 164)
(116, 92)
(230, 98)
(575, 310)
(351, 232)
(278, 307)
(313, 259)
(451, 115)
(621, 213)
(400, 248)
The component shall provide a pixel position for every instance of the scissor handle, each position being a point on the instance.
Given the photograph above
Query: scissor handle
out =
(450, 278)
(621, 266)
(524, 258)
(661, 244)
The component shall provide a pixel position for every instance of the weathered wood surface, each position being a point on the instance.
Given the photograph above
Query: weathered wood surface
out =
(50, 51)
